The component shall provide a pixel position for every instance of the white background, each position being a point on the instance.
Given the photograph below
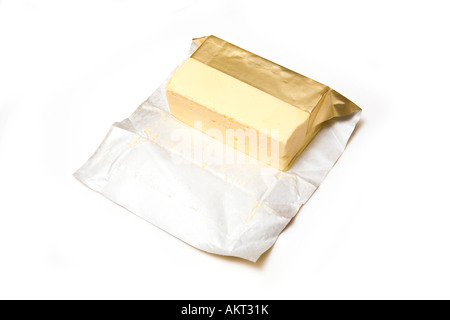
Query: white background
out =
(377, 228)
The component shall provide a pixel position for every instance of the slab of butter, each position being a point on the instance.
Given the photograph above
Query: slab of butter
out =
(263, 109)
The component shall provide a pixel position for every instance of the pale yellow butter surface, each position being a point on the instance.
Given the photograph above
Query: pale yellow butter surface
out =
(198, 92)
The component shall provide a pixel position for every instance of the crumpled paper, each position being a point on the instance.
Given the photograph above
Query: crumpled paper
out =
(222, 206)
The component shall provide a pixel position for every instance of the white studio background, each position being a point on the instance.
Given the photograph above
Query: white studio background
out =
(377, 227)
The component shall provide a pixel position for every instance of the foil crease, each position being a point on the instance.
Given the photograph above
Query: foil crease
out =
(231, 209)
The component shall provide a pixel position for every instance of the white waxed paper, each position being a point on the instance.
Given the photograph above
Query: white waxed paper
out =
(239, 208)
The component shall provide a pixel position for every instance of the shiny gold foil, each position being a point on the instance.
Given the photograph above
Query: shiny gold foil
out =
(320, 101)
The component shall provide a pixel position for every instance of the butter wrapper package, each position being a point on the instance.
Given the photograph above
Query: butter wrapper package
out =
(184, 178)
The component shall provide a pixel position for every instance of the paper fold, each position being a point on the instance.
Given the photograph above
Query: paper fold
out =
(223, 208)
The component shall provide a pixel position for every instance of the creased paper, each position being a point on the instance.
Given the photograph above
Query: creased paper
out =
(216, 205)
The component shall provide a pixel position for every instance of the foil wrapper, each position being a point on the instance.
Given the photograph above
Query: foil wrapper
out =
(222, 206)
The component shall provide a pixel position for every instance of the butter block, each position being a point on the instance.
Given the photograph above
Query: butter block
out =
(267, 111)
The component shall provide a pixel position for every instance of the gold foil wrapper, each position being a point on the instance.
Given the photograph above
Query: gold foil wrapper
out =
(219, 206)
(319, 100)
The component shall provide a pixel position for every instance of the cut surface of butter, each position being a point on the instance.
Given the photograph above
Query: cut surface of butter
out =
(245, 110)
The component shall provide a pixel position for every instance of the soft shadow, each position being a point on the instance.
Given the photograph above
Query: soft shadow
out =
(291, 222)
(358, 126)
(259, 264)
